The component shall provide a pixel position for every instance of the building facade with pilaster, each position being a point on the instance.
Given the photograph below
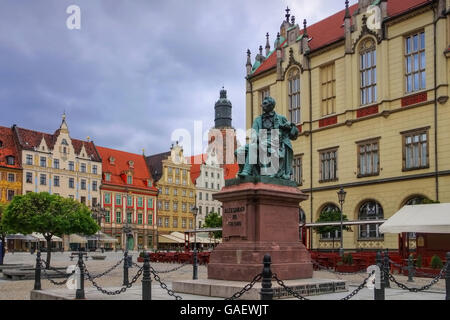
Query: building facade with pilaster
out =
(176, 198)
(368, 89)
(10, 168)
(129, 197)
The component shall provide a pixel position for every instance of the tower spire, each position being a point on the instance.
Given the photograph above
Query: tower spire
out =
(287, 14)
(267, 44)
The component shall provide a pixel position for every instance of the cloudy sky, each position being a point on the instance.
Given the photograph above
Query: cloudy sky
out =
(136, 70)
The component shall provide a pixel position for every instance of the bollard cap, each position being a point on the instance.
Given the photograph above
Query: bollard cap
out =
(267, 258)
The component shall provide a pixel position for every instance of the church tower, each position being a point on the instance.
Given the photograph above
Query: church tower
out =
(222, 138)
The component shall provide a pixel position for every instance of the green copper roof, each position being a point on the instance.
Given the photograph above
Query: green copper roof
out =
(256, 66)
(293, 27)
(376, 2)
(300, 37)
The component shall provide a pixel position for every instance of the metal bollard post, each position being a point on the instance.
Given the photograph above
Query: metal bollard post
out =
(379, 293)
(447, 277)
(387, 269)
(267, 290)
(37, 272)
(146, 280)
(195, 265)
(125, 269)
(410, 268)
(80, 291)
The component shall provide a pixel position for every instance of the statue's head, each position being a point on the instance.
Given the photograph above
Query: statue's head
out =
(268, 104)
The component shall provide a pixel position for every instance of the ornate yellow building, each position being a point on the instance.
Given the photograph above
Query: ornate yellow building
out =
(10, 169)
(368, 89)
(176, 195)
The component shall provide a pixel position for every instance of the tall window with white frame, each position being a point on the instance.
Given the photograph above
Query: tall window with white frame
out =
(368, 71)
(415, 149)
(328, 89)
(297, 170)
(294, 95)
(328, 165)
(368, 158)
(415, 62)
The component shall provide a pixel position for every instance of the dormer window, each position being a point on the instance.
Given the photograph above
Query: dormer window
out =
(1, 144)
(111, 160)
(10, 160)
(149, 183)
(131, 164)
(107, 176)
(129, 180)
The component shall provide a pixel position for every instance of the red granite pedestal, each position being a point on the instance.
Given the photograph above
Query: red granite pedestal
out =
(258, 219)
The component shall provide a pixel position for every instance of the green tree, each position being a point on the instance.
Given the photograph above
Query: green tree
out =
(2, 231)
(331, 216)
(214, 220)
(50, 215)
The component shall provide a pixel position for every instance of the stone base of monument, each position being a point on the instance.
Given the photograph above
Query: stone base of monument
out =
(226, 289)
(260, 216)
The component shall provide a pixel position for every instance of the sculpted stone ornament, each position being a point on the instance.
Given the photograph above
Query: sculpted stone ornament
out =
(269, 152)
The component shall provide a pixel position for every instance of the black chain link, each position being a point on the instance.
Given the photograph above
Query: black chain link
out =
(359, 288)
(108, 271)
(289, 290)
(56, 283)
(425, 287)
(115, 292)
(163, 285)
(247, 288)
(300, 297)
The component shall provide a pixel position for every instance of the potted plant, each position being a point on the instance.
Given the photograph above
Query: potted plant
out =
(434, 268)
(347, 265)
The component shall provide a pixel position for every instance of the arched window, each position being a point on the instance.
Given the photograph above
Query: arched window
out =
(294, 95)
(370, 210)
(415, 200)
(337, 234)
(368, 71)
(10, 160)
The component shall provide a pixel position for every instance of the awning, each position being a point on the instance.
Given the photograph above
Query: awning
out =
(101, 237)
(425, 218)
(20, 236)
(167, 238)
(75, 238)
(40, 237)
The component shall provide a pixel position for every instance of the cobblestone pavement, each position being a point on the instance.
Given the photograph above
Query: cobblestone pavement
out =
(20, 290)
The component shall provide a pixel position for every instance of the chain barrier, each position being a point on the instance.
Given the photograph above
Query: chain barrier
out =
(425, 287)
(56, 283)
(289, 290)
(174, 269)
(163, 285)
(108, 271)
(337, 272)
(358, 289)
(247, 288)
(300, 297)
(115, 292)
(416, 272)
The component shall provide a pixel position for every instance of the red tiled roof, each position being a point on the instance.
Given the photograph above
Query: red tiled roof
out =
(331, 28)
(30, 139)
(8, 148)
(230, 171)
(196, 162)
(121, 166)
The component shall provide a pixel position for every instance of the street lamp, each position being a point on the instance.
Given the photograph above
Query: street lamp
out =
(195, 268)
(341, 196)
(98, 213)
